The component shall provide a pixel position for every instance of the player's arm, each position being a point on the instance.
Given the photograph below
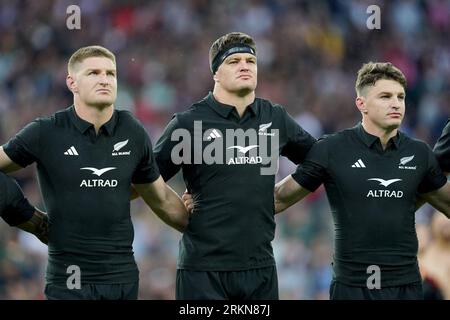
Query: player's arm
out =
(420, 201)
(164, 148)
(133, 194)
(306, 179)
(298, 143)
(18, 212)
(164, 202)
(287, 193)
(435, 188)
(23, 149)
(6, 164)
(37, 225)
(442, 149)
(439, 199)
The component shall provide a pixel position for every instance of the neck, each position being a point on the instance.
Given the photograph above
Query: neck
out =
(240, 100)
(384, 134)
(98, 116)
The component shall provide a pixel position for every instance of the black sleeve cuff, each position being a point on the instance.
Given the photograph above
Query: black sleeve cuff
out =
(14, 207)
(309, 183)
(17, 154)
(435, 184)
(18, 213)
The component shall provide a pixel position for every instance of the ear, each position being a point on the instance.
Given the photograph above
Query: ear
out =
(71, 84)
(215, 77)
(361, 104)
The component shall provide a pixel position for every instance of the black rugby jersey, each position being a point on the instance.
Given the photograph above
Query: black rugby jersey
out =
(372, 193)
(229, 167)
(85, 180)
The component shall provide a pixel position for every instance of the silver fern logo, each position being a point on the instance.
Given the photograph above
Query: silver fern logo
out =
(404, 161)
(263, 129)
(118, 146)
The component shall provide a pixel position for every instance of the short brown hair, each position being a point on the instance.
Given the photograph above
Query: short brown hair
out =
(87, 52)
(227, 41)
(371, 72)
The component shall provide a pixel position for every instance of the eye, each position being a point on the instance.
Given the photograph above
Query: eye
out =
(92, 72)
(110, 73)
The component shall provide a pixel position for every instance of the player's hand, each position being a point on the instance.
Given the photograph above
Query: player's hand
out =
(37, 225)
(42, 227)
(188, 201)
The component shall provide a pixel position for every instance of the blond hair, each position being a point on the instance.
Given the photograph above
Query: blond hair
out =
(87, 52)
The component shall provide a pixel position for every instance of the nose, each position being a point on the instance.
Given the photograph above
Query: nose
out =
(104, 80)
(244, 66)
(396, 103)
(396, 106)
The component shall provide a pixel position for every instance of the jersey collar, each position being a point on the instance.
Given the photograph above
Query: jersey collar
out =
(224, 110)
(83, 125)
(369, 140)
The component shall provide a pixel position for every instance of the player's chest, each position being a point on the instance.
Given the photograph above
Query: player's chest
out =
(375, 175)
(231, 143)
(72, 157)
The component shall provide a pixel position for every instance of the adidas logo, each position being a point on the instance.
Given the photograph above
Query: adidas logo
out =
(71, 151)
(213, 135)
(359, 164)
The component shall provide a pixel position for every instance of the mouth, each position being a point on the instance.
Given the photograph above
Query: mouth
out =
(244, 76)
(395, 115)
(103, 91)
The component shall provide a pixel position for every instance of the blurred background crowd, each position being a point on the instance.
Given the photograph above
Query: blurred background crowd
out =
(308, 56)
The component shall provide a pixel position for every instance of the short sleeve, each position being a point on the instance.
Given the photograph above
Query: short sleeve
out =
(23, 149)
(299, 141)
(163, 150)
(442, 148)
(434, 177)
(147, 170)
(313, 172)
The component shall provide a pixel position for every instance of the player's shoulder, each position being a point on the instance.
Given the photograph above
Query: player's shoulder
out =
(266, 105)
(413, 143)
(336, 137)
(126, 117)
(59, 118)
(334, 141)
(196, 111)
(271, 110)
(126, 120)
(128, 124)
